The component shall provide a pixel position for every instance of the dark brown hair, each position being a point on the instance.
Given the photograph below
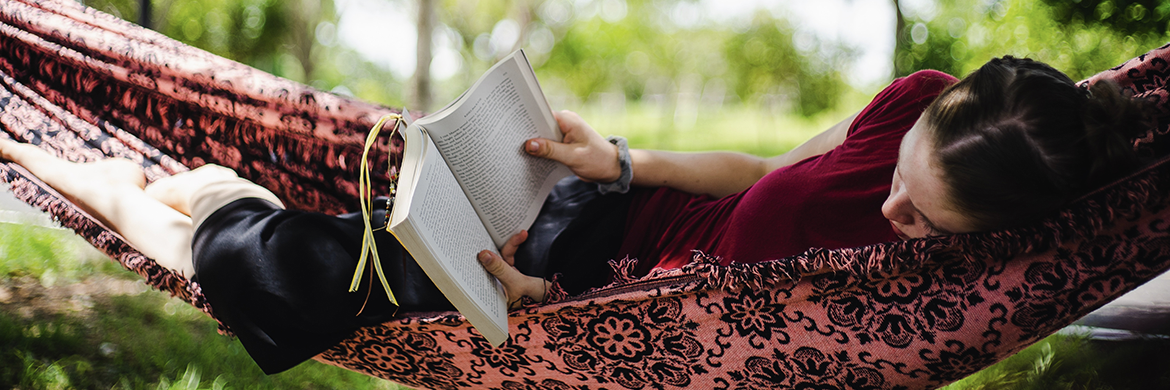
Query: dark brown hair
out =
(1017, 139)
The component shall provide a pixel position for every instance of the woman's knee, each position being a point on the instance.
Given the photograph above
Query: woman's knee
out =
(211, 197)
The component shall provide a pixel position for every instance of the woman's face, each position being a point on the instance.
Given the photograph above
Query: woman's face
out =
(918, 205)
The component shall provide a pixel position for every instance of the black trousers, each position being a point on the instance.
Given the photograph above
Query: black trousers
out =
(279, 278)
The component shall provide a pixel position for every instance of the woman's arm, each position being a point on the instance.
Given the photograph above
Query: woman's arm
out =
(717, 174)
(593, 158)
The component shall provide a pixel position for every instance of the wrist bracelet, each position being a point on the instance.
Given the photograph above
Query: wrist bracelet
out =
(622, 184)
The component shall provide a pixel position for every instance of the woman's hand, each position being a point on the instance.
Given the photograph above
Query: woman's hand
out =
(585, 152)
(516, 284)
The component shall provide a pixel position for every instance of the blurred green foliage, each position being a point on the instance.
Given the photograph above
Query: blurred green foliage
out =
(1080, 38)
(1125, 17)
(766, 62)
(588, 50)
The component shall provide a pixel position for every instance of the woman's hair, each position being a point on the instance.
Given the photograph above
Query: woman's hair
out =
(1017, 139)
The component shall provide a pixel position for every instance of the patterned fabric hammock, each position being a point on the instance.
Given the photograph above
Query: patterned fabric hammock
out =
(916, 314)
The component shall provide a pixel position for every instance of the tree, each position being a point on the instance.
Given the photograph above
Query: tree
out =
(421, 90)
(960, 36)
(900, 41)
(1125, 17)
(255, 32)
(765, 61)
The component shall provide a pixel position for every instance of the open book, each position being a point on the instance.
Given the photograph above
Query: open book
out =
(466, 185)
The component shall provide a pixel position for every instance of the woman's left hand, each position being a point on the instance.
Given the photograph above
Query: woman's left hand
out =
(516, 284)
(586, 153)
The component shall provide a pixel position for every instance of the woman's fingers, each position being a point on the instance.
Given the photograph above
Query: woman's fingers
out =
(557, 151)
(496, 265)
(584, 151)
(516, 284)
(513, 244)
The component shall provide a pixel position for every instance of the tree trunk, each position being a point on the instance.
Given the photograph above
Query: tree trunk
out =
(305, 14)
(422, 70)
(899, 42)
(524, 10)
(144, 13)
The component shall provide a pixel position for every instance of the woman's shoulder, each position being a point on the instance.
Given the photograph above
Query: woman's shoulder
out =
(931, 75)
(927, 81)
(899, 105)
(910, 93)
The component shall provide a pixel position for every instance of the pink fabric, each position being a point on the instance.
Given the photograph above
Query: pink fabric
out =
(904, 315)
(828, 201)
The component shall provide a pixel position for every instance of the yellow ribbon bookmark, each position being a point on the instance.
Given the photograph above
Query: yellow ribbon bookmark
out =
(369, 248)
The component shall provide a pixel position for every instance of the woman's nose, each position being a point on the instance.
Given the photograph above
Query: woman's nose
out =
(897, 208)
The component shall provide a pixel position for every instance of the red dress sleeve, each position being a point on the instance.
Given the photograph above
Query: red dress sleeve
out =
(828, 201)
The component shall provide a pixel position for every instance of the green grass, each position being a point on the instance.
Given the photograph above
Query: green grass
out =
(138, 340)
(740, 128)
(35, 252)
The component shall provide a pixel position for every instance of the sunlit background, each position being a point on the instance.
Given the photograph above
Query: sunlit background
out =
(758, 75)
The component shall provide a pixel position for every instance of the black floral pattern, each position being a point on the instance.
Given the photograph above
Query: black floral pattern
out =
(946, 365)
(546, 384)
(898, 309)
(915, 314)
(755, 315)
(508, 356)
(618, 336)
(805, 368)
(413, 358)
(651, 344)
(388, 358)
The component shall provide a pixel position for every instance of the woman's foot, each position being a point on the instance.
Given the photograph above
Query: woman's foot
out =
(111, 191)
(70, 177)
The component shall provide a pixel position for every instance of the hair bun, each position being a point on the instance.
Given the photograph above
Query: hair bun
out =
(1112, 121)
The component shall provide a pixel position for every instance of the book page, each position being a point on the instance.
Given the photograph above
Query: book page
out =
(450, 233)
(481, 138)
(454, 234)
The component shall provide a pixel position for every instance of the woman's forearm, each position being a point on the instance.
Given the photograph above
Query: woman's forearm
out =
(723, 173)
(712, 173)
(718, 174)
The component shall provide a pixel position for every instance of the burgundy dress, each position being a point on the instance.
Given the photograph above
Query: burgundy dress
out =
(828, 201)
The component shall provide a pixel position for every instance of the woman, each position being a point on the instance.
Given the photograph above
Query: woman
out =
(1010, 143)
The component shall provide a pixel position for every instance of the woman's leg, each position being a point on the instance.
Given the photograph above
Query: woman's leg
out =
(112, 191)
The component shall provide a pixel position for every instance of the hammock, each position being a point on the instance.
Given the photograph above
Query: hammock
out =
(915, 314)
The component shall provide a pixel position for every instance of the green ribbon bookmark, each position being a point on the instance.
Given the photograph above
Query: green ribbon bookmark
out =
(369, 248)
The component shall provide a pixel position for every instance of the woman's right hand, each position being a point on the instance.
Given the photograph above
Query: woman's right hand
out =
(585, 152)
(503, 267)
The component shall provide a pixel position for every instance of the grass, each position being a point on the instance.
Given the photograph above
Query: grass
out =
(133, 340)
(741, 128)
